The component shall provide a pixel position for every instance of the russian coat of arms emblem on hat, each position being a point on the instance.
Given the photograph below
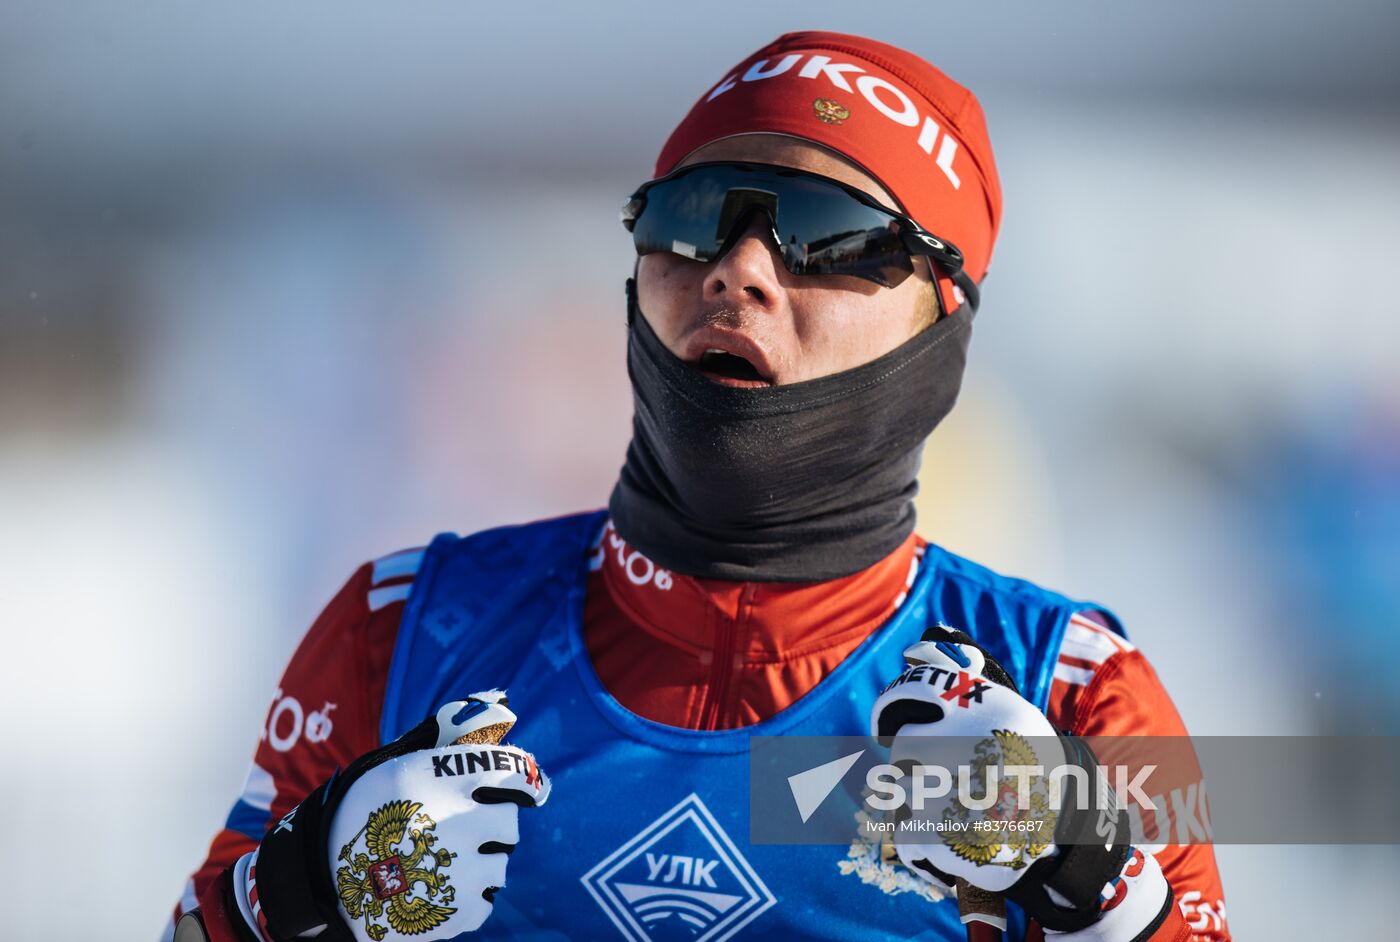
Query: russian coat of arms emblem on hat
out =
(830, 112)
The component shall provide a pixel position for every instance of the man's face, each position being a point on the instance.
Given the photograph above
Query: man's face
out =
(788, 327)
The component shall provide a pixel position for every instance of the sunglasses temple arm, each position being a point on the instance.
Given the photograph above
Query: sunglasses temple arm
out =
(945, 260)
(971, 293)
(968, 287)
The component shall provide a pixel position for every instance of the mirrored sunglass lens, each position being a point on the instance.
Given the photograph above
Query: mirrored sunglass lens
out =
(872, 253)
(827, 232)
(683, 216)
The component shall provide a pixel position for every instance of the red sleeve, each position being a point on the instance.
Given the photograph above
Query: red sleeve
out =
(1104, 686)
(323, 714)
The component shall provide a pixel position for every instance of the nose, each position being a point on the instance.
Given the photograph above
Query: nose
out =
(748, 272)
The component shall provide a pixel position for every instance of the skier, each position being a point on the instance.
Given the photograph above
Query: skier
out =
(809, 257)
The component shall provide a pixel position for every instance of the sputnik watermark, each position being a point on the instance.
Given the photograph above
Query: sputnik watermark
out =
(888, 791)
(1000, 789)
(812, 790)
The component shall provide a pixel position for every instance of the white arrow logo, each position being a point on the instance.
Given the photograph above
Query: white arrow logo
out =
(810, 788)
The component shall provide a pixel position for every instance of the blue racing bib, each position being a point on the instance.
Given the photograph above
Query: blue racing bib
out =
(645, 836)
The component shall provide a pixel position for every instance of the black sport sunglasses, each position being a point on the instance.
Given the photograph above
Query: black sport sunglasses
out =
(820, 226)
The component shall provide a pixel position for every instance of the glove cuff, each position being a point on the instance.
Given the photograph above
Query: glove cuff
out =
(1136, 907)
(1063, 892)
(293, 884)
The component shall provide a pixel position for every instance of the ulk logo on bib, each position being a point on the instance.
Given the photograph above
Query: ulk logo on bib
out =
(680, 878)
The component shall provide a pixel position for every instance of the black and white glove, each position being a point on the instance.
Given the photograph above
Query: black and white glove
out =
(1067, 867)
(412, 838)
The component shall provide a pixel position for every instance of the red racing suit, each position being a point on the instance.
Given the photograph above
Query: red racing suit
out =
(697, 653)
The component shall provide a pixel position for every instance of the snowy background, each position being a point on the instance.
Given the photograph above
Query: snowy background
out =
(286, 287)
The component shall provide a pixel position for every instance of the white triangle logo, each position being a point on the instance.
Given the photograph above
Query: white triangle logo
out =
(810, 788)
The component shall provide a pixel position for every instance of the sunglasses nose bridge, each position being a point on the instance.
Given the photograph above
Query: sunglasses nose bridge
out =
(745, 220)
(754, 219)
(749, 262)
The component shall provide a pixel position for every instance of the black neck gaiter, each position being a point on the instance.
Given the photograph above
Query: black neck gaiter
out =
(805, 482)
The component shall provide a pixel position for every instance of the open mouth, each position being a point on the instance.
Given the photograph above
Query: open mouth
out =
(730, 369)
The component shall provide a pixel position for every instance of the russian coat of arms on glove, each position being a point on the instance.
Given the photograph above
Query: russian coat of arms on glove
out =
(387, 861)
(1002, 836)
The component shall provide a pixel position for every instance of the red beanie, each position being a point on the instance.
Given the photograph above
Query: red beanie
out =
(911, 127)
